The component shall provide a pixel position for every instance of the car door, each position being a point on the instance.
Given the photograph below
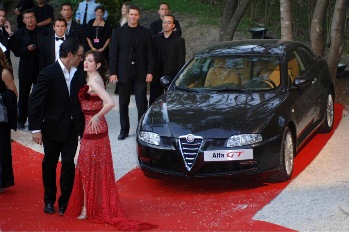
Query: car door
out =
(300, 62)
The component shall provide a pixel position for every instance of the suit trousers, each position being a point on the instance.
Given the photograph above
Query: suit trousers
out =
(52, 150)
(125, 90)
(23, 98)
(156, 90)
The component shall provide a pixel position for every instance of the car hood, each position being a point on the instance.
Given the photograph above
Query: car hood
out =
(214, 115)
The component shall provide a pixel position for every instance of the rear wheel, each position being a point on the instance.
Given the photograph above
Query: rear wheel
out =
(327, 124)
(286, 160)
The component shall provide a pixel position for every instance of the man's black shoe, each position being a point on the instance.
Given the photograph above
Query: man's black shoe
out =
(20, 126)
(122, 136)
(49, 208)
(61, 210)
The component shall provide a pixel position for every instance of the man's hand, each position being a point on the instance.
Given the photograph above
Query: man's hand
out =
(113, 79)
(149, 77)
(37, 137)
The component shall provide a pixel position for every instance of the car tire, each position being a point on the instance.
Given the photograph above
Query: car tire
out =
(286, 159)
(327, 124)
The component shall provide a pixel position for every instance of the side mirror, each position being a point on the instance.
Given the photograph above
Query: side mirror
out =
(165, 81)
(301, 81)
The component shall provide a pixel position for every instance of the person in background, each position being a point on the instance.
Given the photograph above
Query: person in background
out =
(86, 12)
(22, 6)
(74, 29)
(56, 120)
(44, 14)
(169, 56)
(49, 47)
(8, 93)
(24, 44)
(131, 65)
(156, 26)
(5, 33)
(124, 10)
(99, 33)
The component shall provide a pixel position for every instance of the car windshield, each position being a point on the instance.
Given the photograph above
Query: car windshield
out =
(248, 73)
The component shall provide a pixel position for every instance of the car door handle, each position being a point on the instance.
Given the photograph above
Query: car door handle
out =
(313, 82)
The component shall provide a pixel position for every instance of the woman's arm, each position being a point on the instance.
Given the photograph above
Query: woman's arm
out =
(9, 82)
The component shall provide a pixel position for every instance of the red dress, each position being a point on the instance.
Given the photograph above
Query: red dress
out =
(94, 172)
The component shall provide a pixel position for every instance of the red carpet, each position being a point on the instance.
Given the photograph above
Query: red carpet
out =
(173, 204)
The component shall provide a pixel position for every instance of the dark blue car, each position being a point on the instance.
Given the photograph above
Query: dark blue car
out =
(237, 108)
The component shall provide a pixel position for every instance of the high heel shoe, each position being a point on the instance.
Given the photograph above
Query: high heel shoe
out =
(83, 215)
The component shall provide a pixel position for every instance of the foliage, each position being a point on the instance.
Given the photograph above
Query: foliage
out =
(114, 10)
(207, 13)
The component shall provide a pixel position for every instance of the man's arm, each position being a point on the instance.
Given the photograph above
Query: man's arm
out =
(79, 13)
(181, 53)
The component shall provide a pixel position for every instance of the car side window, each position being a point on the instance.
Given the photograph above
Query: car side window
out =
(306, 57)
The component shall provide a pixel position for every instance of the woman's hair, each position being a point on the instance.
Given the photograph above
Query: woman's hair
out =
(100, 7)
(99, 58)
(123, 20)
(4, 63)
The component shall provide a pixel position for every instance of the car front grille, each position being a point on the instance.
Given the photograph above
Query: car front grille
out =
(189, 147)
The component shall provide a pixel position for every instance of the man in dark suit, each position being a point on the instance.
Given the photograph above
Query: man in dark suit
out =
(56, 120)
(169, 56)
(49, 48)
(131, 65)
(156, 26)
(22, 6)
(5, 33)
(24, 44)
(74, 29)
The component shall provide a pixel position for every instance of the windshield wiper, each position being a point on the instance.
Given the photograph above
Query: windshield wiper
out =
(184, 88)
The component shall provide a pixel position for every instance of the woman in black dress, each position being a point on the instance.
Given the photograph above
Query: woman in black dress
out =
(99, 32)
(8, 92)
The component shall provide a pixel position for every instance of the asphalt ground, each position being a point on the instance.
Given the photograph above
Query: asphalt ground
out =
(317, 200)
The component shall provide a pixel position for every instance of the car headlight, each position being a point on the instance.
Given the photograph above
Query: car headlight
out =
(149, 137)
(243, 139)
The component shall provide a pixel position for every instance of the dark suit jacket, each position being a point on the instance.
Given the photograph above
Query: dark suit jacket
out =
(47, 55)
(4, 37)
(120, 54)
(174, 59)
(77, 31)
(28, 64)
(51, 108)
(156, 27)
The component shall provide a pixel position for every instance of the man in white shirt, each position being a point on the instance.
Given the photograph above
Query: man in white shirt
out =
(56, 120)
(86, 12)
(49, 49)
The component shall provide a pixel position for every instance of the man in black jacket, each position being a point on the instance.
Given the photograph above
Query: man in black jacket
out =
(22, 6)
(56, 120)
(169, 56)
(156, 26)
(49, 47)
(5, 33)
(24, 44)
(131, 65)
(74, 29)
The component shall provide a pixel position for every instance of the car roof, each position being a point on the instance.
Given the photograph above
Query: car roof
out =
(268, 47)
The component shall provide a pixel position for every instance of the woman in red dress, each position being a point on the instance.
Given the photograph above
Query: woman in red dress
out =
(94, 195)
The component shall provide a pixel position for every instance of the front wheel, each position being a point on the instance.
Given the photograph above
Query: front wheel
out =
(327, 124)
(286, 159)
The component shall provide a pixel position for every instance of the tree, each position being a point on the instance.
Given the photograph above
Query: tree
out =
(114, 10)
(228, 12)
(317, 32)
(228, 32)
(337, 36)
(286, 20)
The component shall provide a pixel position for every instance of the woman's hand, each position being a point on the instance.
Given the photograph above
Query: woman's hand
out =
(95, 125)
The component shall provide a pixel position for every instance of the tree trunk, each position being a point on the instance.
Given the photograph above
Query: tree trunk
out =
(230, 30)
(229, 10)
(337, 36)
(286, 20)
(317, 35)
